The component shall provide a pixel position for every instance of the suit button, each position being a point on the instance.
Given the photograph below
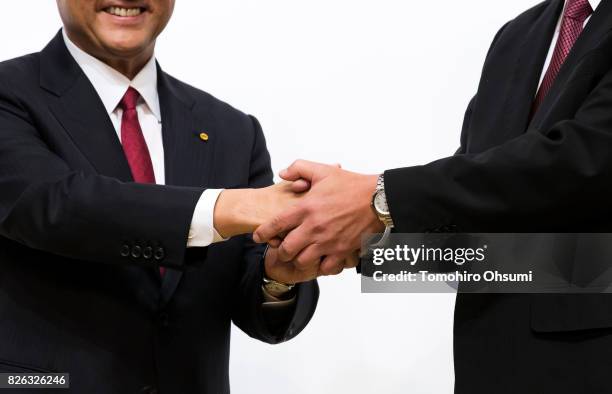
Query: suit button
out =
(136, 251)
(159, 254)
(147, 252)
(125, 250)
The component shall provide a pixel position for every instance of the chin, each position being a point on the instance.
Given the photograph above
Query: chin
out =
(125, 46)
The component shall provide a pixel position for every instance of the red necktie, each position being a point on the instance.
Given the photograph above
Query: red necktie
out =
(576, 12)
(132, 139)
(134, 144)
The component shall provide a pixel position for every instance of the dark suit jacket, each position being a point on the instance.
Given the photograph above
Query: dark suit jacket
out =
(80, 243)
(514, 173)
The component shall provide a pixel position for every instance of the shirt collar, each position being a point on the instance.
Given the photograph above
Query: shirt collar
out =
(111, 85)
(594, 4)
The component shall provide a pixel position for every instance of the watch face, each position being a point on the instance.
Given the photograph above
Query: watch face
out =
(380, 204)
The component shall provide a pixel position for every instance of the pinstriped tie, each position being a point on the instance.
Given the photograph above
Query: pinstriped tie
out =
(576, 12)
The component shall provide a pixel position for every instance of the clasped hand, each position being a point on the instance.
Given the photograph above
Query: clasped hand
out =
(318, 221)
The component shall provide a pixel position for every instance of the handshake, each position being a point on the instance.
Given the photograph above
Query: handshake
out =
(313, 220)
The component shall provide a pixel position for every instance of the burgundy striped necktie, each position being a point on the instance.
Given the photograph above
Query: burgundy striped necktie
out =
(132, 139)
(134, 144)
(576, 12)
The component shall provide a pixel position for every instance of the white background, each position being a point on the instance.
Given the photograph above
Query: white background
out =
(368, 84)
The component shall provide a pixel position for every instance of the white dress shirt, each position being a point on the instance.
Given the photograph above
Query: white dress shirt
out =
(111, 85)
(551, 50)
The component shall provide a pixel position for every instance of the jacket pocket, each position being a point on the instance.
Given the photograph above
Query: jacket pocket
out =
(575, 312)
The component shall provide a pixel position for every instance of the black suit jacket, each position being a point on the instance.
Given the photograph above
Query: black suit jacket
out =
(515, 173)
(80, 243)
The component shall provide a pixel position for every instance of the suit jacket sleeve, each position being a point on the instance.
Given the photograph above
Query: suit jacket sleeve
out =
(544, 180)
(46, 205)
(275, 325)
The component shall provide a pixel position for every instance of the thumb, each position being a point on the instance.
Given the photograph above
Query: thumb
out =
(301, 169)
(300, 186)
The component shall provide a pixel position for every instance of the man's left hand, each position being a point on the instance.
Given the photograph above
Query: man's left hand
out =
(293, 272)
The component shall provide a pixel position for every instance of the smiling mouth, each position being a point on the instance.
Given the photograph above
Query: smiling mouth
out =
(124, 12)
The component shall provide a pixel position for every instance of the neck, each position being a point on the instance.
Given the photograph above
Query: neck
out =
(128, 65)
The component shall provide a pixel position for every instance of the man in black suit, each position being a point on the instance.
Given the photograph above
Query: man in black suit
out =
(535, 156)
(111, 177)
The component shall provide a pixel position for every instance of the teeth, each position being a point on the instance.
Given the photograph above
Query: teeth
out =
(119, 11)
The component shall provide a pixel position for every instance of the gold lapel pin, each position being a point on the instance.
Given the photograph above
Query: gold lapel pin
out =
(204, 136)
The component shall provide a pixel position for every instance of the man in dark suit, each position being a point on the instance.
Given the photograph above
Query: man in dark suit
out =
(535, 156)
(111, 177)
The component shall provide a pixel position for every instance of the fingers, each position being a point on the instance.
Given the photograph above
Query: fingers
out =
(310, 273)
(306, 270)
(302, 169)
(352, 260)
(282, 223)
(299, 169)
(306, 257)
(289, 272)
(334, 265)
(300, 186)
(277, 270)
(275, 242)
(331, 265)
(293, 244)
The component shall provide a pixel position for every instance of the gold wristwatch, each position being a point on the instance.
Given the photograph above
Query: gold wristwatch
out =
(381, 207)
(275, 288)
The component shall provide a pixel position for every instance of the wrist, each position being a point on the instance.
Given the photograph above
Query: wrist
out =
(233, 214)
(276, 289)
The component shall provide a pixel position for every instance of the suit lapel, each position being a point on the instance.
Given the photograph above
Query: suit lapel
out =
(530, 62)
(188, 158)
(598, 26)
(80, 111)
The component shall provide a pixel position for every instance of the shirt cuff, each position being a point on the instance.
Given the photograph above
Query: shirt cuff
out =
(202, 231)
